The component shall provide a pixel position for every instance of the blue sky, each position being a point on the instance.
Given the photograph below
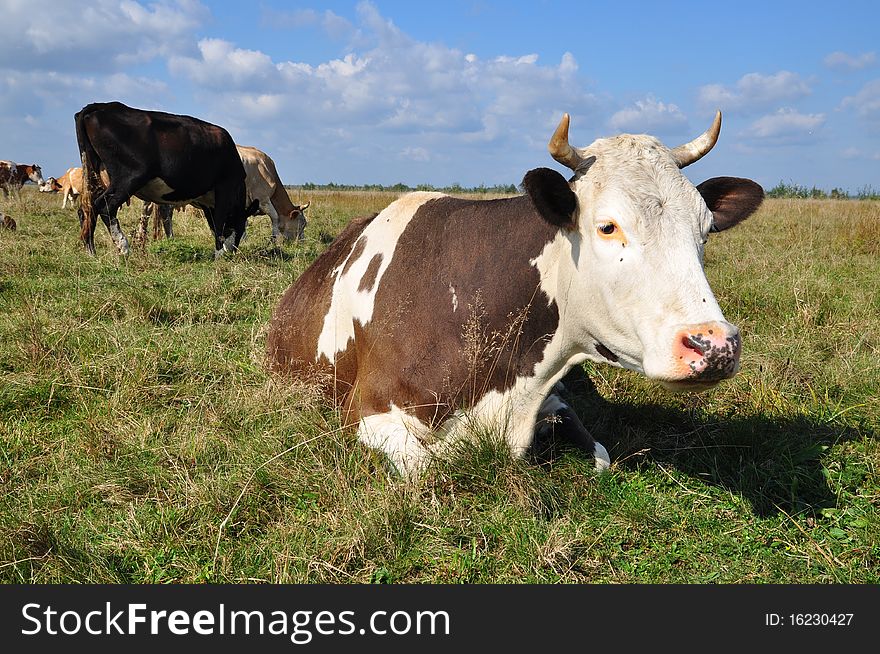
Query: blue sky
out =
(463, 91)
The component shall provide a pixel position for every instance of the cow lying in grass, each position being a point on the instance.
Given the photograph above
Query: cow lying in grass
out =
(442, 316)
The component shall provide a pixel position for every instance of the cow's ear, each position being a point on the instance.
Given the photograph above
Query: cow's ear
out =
(552, 196)
(731, 200)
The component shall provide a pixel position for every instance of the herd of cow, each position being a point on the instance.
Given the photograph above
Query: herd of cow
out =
(168, 161)
(440, 317)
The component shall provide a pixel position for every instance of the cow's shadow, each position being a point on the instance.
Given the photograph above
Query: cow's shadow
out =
(774, 463)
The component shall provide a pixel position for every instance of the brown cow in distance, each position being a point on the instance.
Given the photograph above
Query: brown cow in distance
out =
(13, 176)
(264, 186)
(69, 185)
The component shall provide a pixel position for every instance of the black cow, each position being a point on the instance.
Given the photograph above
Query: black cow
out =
(158, 157)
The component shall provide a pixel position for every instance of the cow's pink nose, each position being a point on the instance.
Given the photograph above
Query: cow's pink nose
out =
(708, 351)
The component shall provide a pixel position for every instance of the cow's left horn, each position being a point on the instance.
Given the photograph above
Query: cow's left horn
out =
(688, 153)
(559, 147)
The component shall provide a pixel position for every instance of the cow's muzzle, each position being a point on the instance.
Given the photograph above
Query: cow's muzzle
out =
(705, 354)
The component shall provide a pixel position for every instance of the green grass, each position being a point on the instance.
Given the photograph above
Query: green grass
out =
(141, 439)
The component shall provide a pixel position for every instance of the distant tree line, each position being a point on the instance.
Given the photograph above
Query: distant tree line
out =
(791, 190)
(781, 190)
(404, 188)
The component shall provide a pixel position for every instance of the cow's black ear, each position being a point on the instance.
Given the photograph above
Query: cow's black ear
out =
(552, 196)
(731, 200)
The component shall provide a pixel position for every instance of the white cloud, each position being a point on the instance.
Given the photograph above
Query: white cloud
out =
(865, 103)
(220, 65)
(754, 92)
(416, 154)
(854, 153)
(648, 115)
(784, 127)
(335, 26)
(94, 36)
(844, 61)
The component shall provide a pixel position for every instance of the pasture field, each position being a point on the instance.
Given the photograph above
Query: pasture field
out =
(142, 441)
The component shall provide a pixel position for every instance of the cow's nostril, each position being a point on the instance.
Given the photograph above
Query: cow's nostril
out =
(695, 344)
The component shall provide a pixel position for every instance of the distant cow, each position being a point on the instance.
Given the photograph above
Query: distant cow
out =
(69, 185)
(264, 186)
(443, 317)
(6, 222)
(13, 176)
(158, 157)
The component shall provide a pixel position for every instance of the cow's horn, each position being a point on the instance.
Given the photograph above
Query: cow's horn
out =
(688, 153)
(559, 147)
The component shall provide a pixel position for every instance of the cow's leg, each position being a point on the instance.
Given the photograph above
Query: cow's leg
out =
(140, 236)
(210, 216)
(107, 206)
(396, 434)
(87, 228)
(167, 215)
(273, 216)
(229, 217)
(163, 214)
(556, 419)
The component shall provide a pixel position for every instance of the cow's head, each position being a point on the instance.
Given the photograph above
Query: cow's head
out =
(630, 287)
(51, 185)
(293, 224)
(34, 174)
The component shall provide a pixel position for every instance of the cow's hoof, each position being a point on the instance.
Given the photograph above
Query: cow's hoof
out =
(603, 461)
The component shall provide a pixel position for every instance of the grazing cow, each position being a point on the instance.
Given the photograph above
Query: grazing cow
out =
(69, 185)
(265, 187)
(13, 176)
(441, 315)
(158, 157)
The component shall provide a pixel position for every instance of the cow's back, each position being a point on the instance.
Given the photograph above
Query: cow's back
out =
(190, 155)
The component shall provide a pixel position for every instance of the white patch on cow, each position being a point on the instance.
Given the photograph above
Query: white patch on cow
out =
(454, 298)
(397, 434)
(119, 238)
(347, 303)
(603, 460)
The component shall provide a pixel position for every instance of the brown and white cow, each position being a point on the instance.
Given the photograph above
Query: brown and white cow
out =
(264, 186)
(13, 176)
(441, 316)
(69, 185)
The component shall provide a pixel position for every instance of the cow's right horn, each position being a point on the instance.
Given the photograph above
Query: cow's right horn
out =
(688, 153)
(559, 147)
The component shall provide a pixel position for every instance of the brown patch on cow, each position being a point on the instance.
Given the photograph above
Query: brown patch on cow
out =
(605, 352)
(296, 323)
(356, 253)
(419, 353)
(369, 279)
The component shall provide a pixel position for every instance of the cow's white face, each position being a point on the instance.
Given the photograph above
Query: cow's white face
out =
(36, 175)
(631, 286)
(51, 185)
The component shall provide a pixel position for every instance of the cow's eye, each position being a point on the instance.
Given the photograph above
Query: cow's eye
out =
(607, 228)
